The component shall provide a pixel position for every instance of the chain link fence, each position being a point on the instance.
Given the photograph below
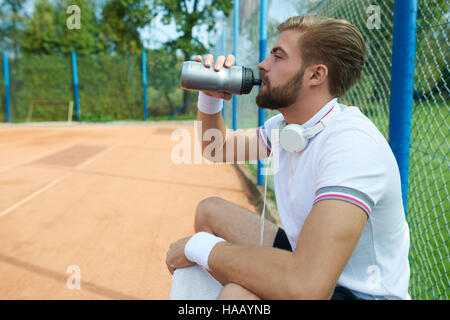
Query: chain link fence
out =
(110, 87)
(428, 194)
(428, 198)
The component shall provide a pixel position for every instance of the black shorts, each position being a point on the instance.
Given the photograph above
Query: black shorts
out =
(340, 293)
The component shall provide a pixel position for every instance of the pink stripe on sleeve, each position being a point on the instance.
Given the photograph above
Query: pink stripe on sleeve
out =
(345, 197)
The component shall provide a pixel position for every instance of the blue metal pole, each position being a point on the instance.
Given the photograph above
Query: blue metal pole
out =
(224, 53)
(216, 55)
(262, 56)
(144, 82)
(402, 86)
(235, 45)
(6, 80)
(75, 84)
(216, 49)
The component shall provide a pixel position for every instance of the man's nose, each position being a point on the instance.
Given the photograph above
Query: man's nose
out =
(262, 66)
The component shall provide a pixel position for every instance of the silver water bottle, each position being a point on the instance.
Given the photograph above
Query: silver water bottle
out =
(234, 80)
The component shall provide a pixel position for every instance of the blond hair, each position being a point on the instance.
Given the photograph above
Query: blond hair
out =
(336, 43)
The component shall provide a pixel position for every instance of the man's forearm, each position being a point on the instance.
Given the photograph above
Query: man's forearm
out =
(262, 270)
(211, 121)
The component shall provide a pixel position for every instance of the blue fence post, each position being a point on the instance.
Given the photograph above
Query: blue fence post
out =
(75, 84)
(402, 86)
(235, 45)
(6, 80)
(216, 49)
(262, 56)
(224, 53)
(144, 82)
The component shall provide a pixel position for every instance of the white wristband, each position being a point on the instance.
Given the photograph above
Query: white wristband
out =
(208, 104)
(199, 247)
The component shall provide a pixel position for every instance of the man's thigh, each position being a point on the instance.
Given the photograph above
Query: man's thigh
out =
(233, 223)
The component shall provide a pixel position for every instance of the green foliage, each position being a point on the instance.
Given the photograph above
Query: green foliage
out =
(164, 69)
(40, 35)
(108, 47)
(121, 20)
(2, 95)
(110, 87)
(188, 14)
(432, 76)
(86, 40)
(46, 32)
(116, 31)
(12, 21)
(39, 77)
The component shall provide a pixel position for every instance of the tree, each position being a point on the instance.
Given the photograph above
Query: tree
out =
(13, 18)
(47, 33)
(86, 40)
(40, 34)
(188, 14)
(121, 20)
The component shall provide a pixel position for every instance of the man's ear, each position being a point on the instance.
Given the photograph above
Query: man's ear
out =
(318, 74)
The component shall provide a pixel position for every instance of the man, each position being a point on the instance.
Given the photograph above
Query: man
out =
(339, 199)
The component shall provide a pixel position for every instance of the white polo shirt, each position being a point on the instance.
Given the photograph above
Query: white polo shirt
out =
(349, 160)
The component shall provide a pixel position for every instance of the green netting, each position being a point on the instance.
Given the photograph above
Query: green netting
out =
(110, 87)
(428, 193)
(40, 77)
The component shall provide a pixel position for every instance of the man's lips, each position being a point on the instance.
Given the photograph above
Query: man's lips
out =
(264, 84)
(263, 80)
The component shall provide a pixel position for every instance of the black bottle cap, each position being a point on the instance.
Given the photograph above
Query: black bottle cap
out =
(248, 80)
(257, 82)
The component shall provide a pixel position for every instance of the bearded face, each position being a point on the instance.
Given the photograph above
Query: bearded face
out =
(276, 97)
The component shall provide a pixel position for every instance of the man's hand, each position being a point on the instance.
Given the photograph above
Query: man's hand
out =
(175, 256)
(220, 62)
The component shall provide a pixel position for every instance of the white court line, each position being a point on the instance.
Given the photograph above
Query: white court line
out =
(32, 196)
(51, 184)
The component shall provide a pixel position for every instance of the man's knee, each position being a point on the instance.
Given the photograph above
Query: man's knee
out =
(204, 213)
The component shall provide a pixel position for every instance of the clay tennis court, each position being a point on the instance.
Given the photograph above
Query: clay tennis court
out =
(105, 198)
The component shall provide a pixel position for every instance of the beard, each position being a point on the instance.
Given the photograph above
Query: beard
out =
(282, 96)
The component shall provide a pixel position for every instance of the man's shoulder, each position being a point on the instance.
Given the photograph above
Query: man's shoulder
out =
(352, 126)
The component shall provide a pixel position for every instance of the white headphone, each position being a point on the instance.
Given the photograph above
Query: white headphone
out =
(294, 138)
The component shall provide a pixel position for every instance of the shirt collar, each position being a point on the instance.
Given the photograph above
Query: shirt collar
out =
(320, 114)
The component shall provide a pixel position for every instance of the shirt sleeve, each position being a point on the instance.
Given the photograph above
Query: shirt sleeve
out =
(265, 131)
(352, 167)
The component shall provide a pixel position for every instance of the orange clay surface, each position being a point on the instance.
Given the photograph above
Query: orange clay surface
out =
(106, 199)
